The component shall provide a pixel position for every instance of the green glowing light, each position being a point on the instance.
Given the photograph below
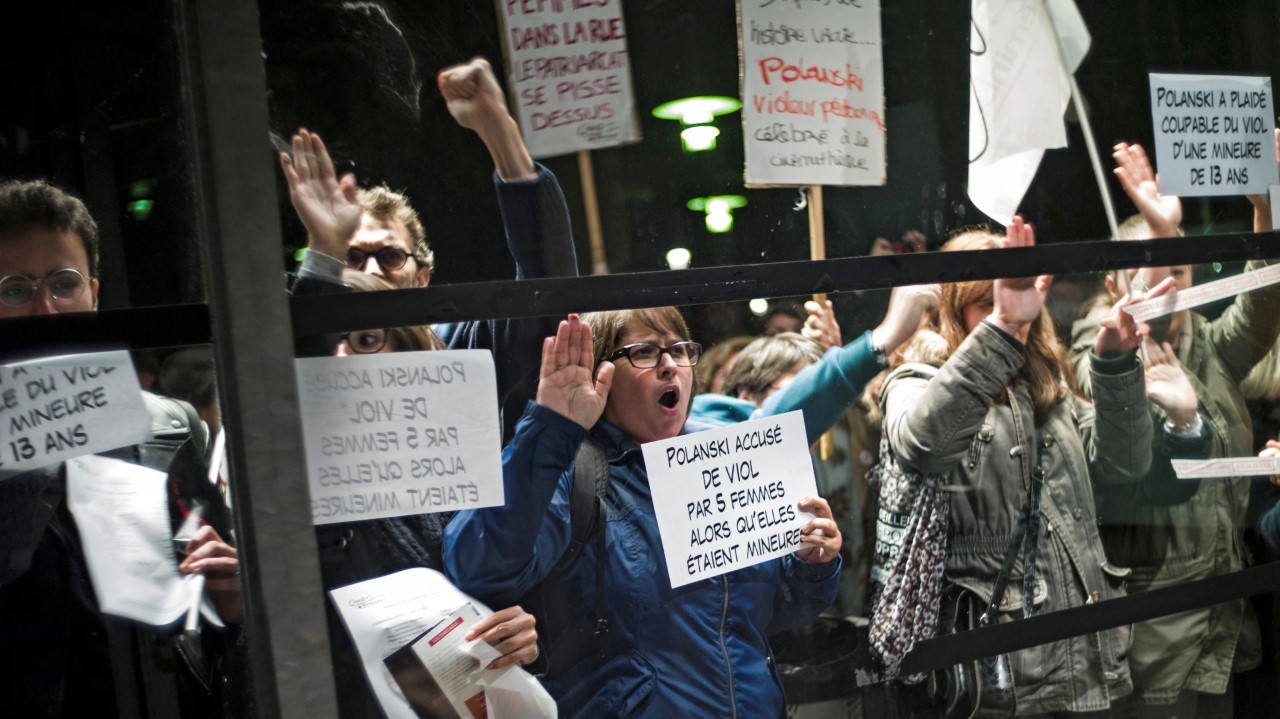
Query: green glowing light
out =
(699, 138)
(697, 110)
(140, 209)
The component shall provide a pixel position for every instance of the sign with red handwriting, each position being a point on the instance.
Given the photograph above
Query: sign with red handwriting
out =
(570, 74)
(812, 92)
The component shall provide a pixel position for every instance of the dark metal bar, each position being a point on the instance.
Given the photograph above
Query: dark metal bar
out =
(287, 630)
(137, 328)
(319, 314)
(952, 649)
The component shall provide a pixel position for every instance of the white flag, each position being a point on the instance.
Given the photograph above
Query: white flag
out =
(1019, 91)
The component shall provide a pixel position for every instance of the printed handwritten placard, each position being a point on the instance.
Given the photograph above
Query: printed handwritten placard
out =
(570, 74)
(726, 498)
(57, 408)
(389, 435)
(1214, 134)
(812, 92)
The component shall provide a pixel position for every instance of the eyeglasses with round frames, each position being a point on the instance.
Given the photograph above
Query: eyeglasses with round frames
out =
(389, 257)
(366, 342)
(646, 355)
(64, 286)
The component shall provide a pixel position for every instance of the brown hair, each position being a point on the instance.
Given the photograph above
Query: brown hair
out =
(717, 357)
(1045, 371)
(404, 339)
(760, 364)
(607, 327)
(383, 203)
(24, 205)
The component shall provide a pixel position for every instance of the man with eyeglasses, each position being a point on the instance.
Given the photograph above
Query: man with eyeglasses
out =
(48, 252)
(60, 655)
(377, 231)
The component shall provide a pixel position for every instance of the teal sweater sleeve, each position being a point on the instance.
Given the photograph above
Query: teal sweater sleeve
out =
(826, 390)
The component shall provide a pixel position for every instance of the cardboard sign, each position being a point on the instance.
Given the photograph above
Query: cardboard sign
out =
(1179, 300)
(57, 408)
(388, 435)
(812, 92)
(570, 74)
(1214, 134)
(726, 498)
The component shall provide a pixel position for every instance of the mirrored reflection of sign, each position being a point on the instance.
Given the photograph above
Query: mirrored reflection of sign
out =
(812, 92)
(1199, 295)
(388, 435)
(726, 498)
(1214, 134)
(56, 408)
(569, 72)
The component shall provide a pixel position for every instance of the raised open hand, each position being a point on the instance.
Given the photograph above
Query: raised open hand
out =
(1017, 302)
(1167, 384)
(1163, 213)
(325, 203)
(566, 385)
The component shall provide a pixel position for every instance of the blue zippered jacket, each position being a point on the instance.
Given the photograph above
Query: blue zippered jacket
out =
(698, 650)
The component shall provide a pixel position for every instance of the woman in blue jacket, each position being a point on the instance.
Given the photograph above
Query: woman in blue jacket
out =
(698, 650)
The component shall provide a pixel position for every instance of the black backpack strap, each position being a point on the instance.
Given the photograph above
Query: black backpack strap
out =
(587, 512)
(587, 516)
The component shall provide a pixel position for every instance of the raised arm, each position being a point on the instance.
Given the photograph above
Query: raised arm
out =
(826, 390)
(1163, 213)
(498, 554)
(325, 203)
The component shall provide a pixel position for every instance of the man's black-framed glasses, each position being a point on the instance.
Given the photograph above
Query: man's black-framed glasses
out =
(64, 286)
(389, 257)
(366, 342)
(646, 355)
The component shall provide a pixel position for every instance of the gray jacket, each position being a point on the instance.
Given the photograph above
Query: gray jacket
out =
(948, 421)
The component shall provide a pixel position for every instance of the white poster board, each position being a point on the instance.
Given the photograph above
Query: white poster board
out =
(122, 514)
(56, 408)
(569, 73)
(726, 498)
(388, 435)
(812, 92)
(1214, 134)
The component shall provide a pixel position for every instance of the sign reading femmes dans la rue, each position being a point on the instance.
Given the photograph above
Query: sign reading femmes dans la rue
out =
(570, 74)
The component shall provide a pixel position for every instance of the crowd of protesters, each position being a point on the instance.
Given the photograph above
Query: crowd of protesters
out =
(1053, 462)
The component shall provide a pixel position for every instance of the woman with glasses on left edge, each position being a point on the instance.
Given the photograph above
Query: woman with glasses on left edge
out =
(621, 379)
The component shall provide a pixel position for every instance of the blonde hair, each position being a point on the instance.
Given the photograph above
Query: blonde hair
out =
(384, 203)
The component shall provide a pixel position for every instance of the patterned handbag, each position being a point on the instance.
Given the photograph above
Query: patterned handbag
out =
(906, 570)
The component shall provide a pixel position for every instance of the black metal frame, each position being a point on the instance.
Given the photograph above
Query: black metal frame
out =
(248, 318)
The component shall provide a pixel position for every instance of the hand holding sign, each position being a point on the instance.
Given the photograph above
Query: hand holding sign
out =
(1163, 213)
(511, 633)
(820, 536)
(1121, 333)
(565, 385)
